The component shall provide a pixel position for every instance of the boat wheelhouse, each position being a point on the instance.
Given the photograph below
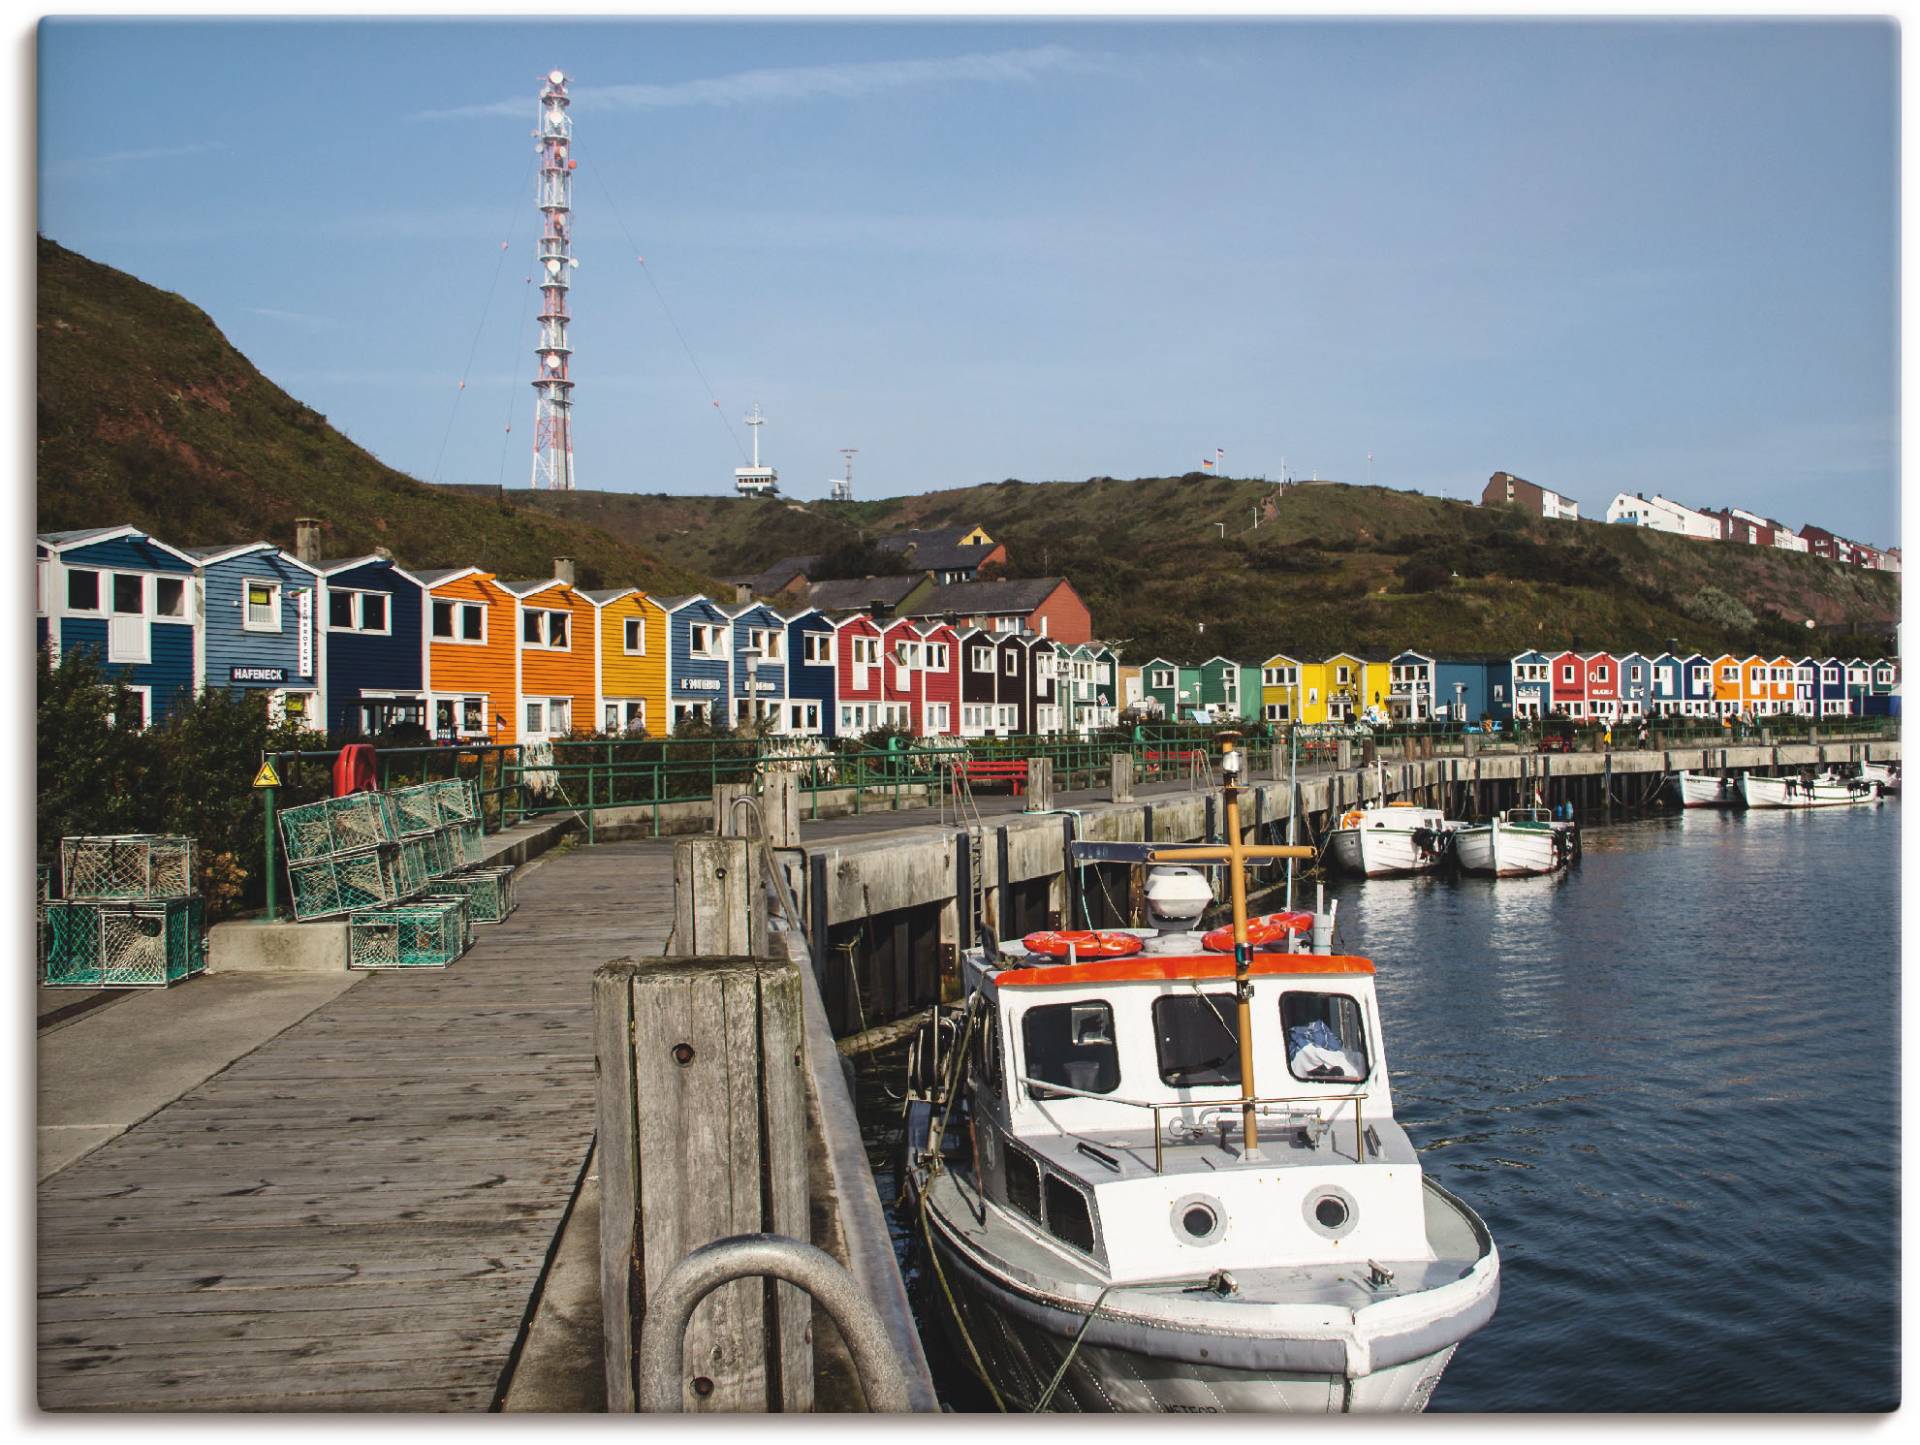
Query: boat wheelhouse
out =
(258, 632)
(473, 659)
(373, 646)
(130, 600)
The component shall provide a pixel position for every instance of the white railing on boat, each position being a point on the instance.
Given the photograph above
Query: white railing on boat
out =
(1211, 1106)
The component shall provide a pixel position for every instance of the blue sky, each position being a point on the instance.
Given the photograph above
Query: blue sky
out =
(1653, 256)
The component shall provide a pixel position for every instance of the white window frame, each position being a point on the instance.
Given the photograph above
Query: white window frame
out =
(181, 614)
(770, 641)
(357, 603)
(1013, 664)
(816, 649)
(1160, 677)
(631, 627)
(866, 649)
(980, 659)
(543, 618)
(247, 584)
(458, 610)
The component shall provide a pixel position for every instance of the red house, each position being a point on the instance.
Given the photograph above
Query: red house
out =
(857, 676)
(1567, 677)
(1602, 671)
(903, 684)
(940, 681)
(1047, 606)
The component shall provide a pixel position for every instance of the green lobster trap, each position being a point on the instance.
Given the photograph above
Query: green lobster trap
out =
(128, 866)
(428, 934)
(337, 825)
(343, 882)
(467, 843)
(489, 892)
(411, 861)
(416, 809)
(466, 911)
(457, 800)
(148, 944)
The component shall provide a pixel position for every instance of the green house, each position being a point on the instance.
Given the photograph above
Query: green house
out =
(1175, 688)
(1219, 690)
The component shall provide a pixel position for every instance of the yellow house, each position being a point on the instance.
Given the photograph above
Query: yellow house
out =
(1281, 695)
(1728, 672)
(631, 663)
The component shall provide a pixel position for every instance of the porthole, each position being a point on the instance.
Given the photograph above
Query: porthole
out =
(1198, 1219)
(1330, 1212)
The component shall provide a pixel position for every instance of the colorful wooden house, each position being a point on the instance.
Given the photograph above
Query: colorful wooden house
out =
(473, 656)
(1016, 677)
(759, 691)
(1280, 689)
(1859, 676)
(1635, 671)
(558, 650)
(1411, 682)
(373, 646)
(699, 661)
(903, 655)
(1728, 695)
(1043, 691)
(1250, 691)
(1602, 674)
(1466, 690)
(1106, 686)
(1337, 690)
(1174, 687)
(1219, 688)
(992, 684)
(860, 684)
(130, 600)
(1830, 697)
(1886, 676)
(631, 631)
(259, 627)
(1530, 681)
(939, 681)
(1568, 693)
(810, 673)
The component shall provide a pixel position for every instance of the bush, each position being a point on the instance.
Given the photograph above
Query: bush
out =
(1423, 574)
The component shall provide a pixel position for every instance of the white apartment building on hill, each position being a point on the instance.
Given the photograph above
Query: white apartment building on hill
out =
(1661, 514)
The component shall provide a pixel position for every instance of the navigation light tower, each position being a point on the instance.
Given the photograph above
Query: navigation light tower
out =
(756, 480)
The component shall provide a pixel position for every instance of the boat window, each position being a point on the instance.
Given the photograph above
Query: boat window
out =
(1068, 1218)
(986, 1039)
(1198, 1039)
(1071, 1044)
(1023, 1184)
(1325, 1039)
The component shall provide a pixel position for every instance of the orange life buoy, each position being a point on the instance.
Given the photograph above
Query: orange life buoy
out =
(1056, 944)
(1269, 929)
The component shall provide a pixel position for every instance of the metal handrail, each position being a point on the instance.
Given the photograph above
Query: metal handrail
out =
(671, 1303)
(1159, 1155)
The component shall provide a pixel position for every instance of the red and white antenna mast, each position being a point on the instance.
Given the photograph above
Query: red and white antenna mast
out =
(552, 382)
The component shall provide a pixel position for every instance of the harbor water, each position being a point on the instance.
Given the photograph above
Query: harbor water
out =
(1668, 1080)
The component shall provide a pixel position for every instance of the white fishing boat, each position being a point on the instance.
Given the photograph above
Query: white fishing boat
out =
(1156, 1171)
(1825, 791)
(1519, 843)
(1384, 840)
(1705, 790)
(1887, 775)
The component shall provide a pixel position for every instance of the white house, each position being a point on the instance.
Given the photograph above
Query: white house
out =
(1661, 514)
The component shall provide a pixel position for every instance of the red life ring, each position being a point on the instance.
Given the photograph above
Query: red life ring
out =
(1270, 929)
(1055, 944)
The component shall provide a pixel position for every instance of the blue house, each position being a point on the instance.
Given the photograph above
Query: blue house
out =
(1531, 683)
(759, 635)
(1696, 684)
(1466, 689)
(1410, 694)
(810, 674)
(1636, 683)
(129, 599)
(699, 660)
(372, 646)
(1830, 686)
(259, 612)
(1664, 683)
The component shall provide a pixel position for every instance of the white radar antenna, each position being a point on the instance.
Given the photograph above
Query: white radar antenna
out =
(756, 480)
(843, 486)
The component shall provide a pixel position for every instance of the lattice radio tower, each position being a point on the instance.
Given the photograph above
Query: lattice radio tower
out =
(843, 486)
(552, 381)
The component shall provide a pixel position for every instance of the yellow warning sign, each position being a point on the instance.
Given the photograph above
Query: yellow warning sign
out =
(266, 777)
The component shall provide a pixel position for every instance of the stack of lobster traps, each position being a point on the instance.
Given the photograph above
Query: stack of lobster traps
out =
(129, 914)
(400, 866)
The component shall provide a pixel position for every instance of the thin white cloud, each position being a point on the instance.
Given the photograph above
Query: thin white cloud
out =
(846, 81)
(297, 318)
(82, 164)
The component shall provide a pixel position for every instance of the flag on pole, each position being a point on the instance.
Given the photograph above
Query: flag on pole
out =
(1206, 462)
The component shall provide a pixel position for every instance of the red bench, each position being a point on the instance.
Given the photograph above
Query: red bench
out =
(992, 770)
(1180, 758)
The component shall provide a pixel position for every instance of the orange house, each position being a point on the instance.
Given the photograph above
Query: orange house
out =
(632, 636)
(1728, 671)
(472, 668)
(558, 656)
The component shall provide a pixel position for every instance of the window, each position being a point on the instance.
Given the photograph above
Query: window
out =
(1829, 674)
(685, 712)
(907, 654)
(1499, 692)
(1023, 1183)
(1600, 672)
(1013, 663)
(769, 642)
(866, 650)
(817, 648)
(1160, 677)
(1069, 1220)
(1071, 1044)
(939, 717)
(706, 640)
(349, 611)
(259, 606)
(803, 717)
(1197, 1037)
(980, 659)
(536, 717)
(635, 633)
(1566, 673)
(459, 621)
(937, 656)
(546, 629)
(473, 715)
(1278, 677)
(129, 594)
(560, 714)
(1729, 674)
(1344, 673)
(169, 597)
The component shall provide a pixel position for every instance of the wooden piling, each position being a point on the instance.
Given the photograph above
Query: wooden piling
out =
(1120, 777)
(718, 908)
(729, 821)
(702, 1134)
(1039, 785)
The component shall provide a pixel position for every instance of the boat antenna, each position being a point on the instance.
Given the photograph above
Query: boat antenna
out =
(1293, 792)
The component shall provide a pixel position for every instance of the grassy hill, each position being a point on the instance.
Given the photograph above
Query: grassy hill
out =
(148, 415)
(1328, 567)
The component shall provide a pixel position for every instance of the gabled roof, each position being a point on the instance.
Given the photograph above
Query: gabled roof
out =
(440, 576)
(527, 586)
(851, 592)
(776, 575)
(800, 614)
(936, 547)
(684, 600)
(975, 599)
(85, 536)
(205, 556)
(601, 596)
(745, 607)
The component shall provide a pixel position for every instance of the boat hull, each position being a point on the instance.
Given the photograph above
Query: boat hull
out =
(1759, 792)
(1380, 853)
(1506, 850)
(1704, 790)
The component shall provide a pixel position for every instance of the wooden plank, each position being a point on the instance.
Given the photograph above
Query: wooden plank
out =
(618, 1166)
(783, 1104)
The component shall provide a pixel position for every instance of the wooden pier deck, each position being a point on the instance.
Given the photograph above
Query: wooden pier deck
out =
(357, 1214)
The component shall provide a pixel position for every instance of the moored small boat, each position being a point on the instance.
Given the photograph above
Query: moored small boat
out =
(1793, 791)
(1389, 839)
(1887, 775)
(1704, 790)
(1521, 843)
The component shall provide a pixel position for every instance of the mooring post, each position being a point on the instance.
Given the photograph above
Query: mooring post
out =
(1343, 754)
(719, 910)
(780, 809)
(700, 1074)
(1120, 776)
(729, 821)
(1039, 785)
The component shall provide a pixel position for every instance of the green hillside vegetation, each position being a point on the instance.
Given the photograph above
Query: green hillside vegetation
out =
(148, 415)
(1328, 567)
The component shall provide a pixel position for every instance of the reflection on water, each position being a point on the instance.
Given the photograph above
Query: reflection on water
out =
(1667, 1079)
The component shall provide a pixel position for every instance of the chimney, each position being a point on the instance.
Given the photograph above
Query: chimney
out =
(306, 540)
(879, 611)
(384, 553)
(563, 569)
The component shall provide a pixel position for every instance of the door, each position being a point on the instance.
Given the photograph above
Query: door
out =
(127, 632)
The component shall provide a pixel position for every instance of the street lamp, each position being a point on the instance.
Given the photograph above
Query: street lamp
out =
(753, 686)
